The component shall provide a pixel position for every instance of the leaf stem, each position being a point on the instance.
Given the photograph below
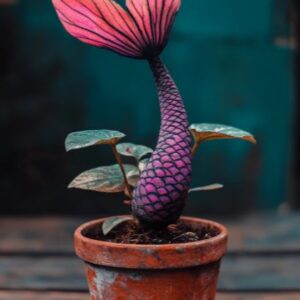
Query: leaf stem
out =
(128, 191)
(195, 147)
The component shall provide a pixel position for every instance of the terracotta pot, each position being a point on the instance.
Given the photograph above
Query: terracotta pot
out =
(152, 272)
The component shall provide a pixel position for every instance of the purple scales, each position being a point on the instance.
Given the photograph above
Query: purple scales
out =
(162, 190)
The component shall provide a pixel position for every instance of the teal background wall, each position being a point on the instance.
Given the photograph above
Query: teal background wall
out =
(228, 63)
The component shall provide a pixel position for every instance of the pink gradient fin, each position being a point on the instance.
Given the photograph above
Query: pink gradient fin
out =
(140, 32)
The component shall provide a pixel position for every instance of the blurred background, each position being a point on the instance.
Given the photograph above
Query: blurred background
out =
(235, 62)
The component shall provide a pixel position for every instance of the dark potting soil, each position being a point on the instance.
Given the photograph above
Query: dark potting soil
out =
(131, 232)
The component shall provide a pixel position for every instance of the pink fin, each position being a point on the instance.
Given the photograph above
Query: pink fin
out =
(141, 33)
(154, 18)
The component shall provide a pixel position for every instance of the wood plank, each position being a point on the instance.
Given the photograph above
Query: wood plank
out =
(259, 296)
(274, 272)
(23, 295)
(265, 232)
(241, 273)
(38, 234)
(270, 233)
(55, 273)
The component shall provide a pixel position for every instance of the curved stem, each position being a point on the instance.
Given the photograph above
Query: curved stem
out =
(128, 191)
(170, 101)
(162, 191)
(195, 147)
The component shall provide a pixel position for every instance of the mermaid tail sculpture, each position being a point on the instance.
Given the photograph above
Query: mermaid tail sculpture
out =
(162, 190)
(142, 32)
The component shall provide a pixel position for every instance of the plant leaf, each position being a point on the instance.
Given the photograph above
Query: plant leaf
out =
(210, 187)
(206, 131)
(113, 222)
(107, 179)
(143, 163)
(133, 176)
(87, 138)
(133, 150)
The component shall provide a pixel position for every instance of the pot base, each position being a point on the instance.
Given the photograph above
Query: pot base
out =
(175, 284)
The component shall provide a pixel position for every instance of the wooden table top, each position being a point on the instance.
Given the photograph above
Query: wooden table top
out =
(37, 261)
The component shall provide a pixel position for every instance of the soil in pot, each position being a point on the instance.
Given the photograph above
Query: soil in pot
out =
(130, 232)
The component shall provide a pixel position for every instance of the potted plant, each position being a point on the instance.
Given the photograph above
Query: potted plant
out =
(153, 253)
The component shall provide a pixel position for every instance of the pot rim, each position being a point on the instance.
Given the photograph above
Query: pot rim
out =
(222, 233)
(152, 256)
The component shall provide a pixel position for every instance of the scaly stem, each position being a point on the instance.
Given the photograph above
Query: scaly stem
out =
(162, 191)
(128, 191)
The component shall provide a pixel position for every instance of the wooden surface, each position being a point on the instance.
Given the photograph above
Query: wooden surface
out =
(37, 259)
(83, 296)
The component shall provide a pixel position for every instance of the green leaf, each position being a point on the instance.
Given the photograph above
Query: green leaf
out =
(210, 187)
(111, 223)
(143, 163)
(133, 150)
(206, 132)
(107, 179)
(87, 138)
(133, 176)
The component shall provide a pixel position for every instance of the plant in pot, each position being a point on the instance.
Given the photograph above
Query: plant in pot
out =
(153, 253)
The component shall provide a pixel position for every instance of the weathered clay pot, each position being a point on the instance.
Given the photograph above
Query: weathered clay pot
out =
(152, 272)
